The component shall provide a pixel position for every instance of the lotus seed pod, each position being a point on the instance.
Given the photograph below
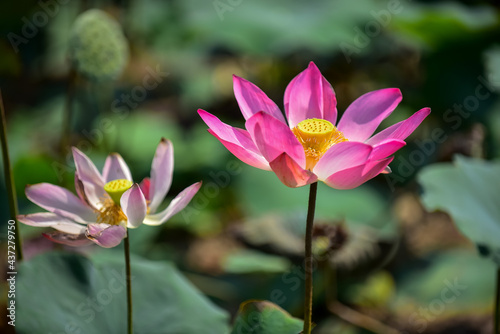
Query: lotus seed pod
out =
(98, 49)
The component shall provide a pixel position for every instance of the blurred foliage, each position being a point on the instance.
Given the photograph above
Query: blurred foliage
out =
(251, 261)
(263, 317)
(94, 299)
(241, 238)
(466, 281)
(378, 290)
(468, 190)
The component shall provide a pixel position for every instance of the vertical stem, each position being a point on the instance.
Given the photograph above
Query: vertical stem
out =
(497, 305)
(331, 282)
(9, 181)
(129, 285)
(308, 260)
(68, 113)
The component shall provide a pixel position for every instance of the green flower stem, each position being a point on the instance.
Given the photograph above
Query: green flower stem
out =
(129, 285)
(497, 305)
(330, 282)
(9, 181)
(68, 113)
(308, 260)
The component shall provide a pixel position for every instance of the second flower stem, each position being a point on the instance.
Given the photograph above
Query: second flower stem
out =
(496, 309)
(308, 260)
(68, 114)
(9, 181)
(129, 285)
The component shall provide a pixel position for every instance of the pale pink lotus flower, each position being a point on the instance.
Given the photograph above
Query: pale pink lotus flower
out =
(307, 146)
(106, 204)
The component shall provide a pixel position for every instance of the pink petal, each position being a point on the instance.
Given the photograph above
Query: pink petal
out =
(134, 206)
(49, 219)
(386, 148)
(145, 187)
(402, 129)
(290, 173)
(310, 95)
(162, 169)
(60, 201)
(273, 137)
(366, 113)
(75, 240)
(252, 99)
(106, 235)
(356, 176)
(177, 204)
(115, 168)
(93, 183)
(244, 155)
(342, 156)
(237, 141)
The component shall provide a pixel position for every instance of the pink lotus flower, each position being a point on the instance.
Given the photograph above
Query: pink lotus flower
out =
(108, 203)
(307, 146)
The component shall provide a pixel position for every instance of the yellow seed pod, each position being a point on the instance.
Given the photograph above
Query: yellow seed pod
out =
(316, 136)
(116, 188)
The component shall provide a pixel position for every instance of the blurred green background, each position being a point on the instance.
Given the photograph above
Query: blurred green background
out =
(241, 237)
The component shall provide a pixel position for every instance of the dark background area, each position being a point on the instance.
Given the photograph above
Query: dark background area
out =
(243, 239)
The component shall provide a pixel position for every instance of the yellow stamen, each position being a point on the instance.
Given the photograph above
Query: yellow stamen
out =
(116, 188)
(110, 213)
(317, 136)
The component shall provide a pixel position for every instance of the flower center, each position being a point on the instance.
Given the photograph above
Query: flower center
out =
(116, 188)
(111, 213)
(317, 136)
